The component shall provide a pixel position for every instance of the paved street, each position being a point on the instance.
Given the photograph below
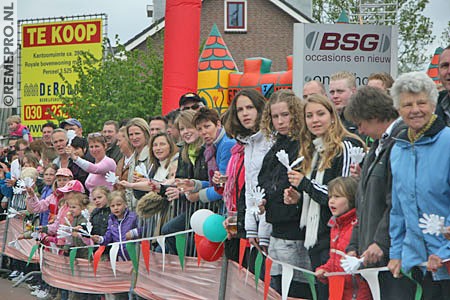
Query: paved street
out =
(8, 292)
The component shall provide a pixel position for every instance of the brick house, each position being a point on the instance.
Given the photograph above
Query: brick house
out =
(250, 28)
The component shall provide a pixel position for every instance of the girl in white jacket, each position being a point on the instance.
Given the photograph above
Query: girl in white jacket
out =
(242, 123)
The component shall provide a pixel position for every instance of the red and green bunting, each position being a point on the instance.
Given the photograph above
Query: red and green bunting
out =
(180, 242)
(335, 282)
(145, 250)
(33, 250)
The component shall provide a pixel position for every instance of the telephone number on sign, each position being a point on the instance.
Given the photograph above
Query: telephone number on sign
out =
(42, 112)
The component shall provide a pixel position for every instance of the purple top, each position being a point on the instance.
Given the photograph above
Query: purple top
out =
(117, 229)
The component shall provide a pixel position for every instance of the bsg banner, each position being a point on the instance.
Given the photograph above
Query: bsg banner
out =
(49, 50)
(323, 49)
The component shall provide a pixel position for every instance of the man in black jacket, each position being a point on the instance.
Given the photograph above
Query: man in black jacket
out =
(373, 112)
(443, 106)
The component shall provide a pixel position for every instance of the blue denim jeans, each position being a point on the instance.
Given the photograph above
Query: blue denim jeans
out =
(176, 224)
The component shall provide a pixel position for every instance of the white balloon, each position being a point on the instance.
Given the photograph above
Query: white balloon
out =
(198, 218)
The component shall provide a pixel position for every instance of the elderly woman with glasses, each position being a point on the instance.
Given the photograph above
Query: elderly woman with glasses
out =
(420, 187)
(102, 165)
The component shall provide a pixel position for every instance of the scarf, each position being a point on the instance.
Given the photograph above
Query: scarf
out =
(230, 187)
(413, 137)
(210, 155)
(161, 172)
(311, 209)
(192, 153)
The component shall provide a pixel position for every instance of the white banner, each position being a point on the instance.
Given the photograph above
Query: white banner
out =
(321, 50)
(8, 63)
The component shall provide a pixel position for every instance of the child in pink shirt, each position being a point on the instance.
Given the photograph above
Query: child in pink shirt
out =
(73, 186)
(51, 202)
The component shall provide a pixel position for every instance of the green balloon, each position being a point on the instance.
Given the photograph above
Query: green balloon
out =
(213, 228)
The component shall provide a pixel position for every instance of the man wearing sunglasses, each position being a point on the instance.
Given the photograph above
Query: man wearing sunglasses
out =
(72, 124)
(75, 125)
(191, 101)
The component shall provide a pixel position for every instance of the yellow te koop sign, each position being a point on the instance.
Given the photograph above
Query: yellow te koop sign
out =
(49, 50)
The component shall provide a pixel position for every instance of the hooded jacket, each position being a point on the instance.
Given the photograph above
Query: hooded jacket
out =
(420, 185)
(373, 199)
(117, 229)
(341, 232)
(256, 147)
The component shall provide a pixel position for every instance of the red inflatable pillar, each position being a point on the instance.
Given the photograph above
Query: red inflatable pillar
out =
(181, 50)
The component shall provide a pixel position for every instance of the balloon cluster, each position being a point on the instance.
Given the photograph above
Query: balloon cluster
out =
(210, 234)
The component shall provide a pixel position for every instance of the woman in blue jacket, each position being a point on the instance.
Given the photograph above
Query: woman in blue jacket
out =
(420, 186)
(217, 152)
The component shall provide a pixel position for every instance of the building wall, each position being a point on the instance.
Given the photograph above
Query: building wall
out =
(269, 32)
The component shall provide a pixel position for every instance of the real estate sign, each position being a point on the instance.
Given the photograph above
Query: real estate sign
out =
(49, 50)
(323, 49)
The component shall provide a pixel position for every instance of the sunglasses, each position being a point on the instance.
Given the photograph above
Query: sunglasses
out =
(94, 134)
(194, 107)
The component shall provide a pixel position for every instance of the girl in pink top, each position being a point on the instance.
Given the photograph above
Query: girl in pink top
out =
(73, 186)
(102, 165)
(51, 202)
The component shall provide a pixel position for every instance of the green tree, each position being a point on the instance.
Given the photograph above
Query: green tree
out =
(415, 30)
(445, 36)
(125, 85)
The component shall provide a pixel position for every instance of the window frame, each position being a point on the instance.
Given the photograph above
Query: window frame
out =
(227, 26)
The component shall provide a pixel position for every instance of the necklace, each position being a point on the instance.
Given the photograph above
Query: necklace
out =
(414, 137)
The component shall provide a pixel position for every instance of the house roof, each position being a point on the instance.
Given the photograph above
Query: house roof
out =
(159, 24)
(292, 11)
(144, 34)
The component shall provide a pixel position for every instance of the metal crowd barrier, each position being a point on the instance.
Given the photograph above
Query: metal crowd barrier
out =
(152, 226)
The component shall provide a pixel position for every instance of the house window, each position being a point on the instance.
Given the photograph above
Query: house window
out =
(236, 15)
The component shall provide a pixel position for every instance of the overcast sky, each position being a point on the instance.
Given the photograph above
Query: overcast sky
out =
(125, 18)
(128, 18)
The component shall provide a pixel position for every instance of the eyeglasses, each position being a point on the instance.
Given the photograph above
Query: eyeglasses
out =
(194, 107)
(94, 134)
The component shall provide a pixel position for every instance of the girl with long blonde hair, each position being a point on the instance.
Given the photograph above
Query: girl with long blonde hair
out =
(325, 146)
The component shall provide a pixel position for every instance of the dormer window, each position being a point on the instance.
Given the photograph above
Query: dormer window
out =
(235, 15)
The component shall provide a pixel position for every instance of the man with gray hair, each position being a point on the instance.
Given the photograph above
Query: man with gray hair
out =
(59, 141)
(314, 87)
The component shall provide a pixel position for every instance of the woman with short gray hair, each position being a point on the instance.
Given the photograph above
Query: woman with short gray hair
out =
(420, 187)
(415, 83)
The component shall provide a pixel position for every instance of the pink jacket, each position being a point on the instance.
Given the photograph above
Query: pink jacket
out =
(341, 232)
(34, 205)
(23, 132)
(60, 219)
(97, 172)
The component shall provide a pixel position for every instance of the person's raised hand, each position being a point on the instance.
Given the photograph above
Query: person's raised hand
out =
(291, 196)
(295, 177)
